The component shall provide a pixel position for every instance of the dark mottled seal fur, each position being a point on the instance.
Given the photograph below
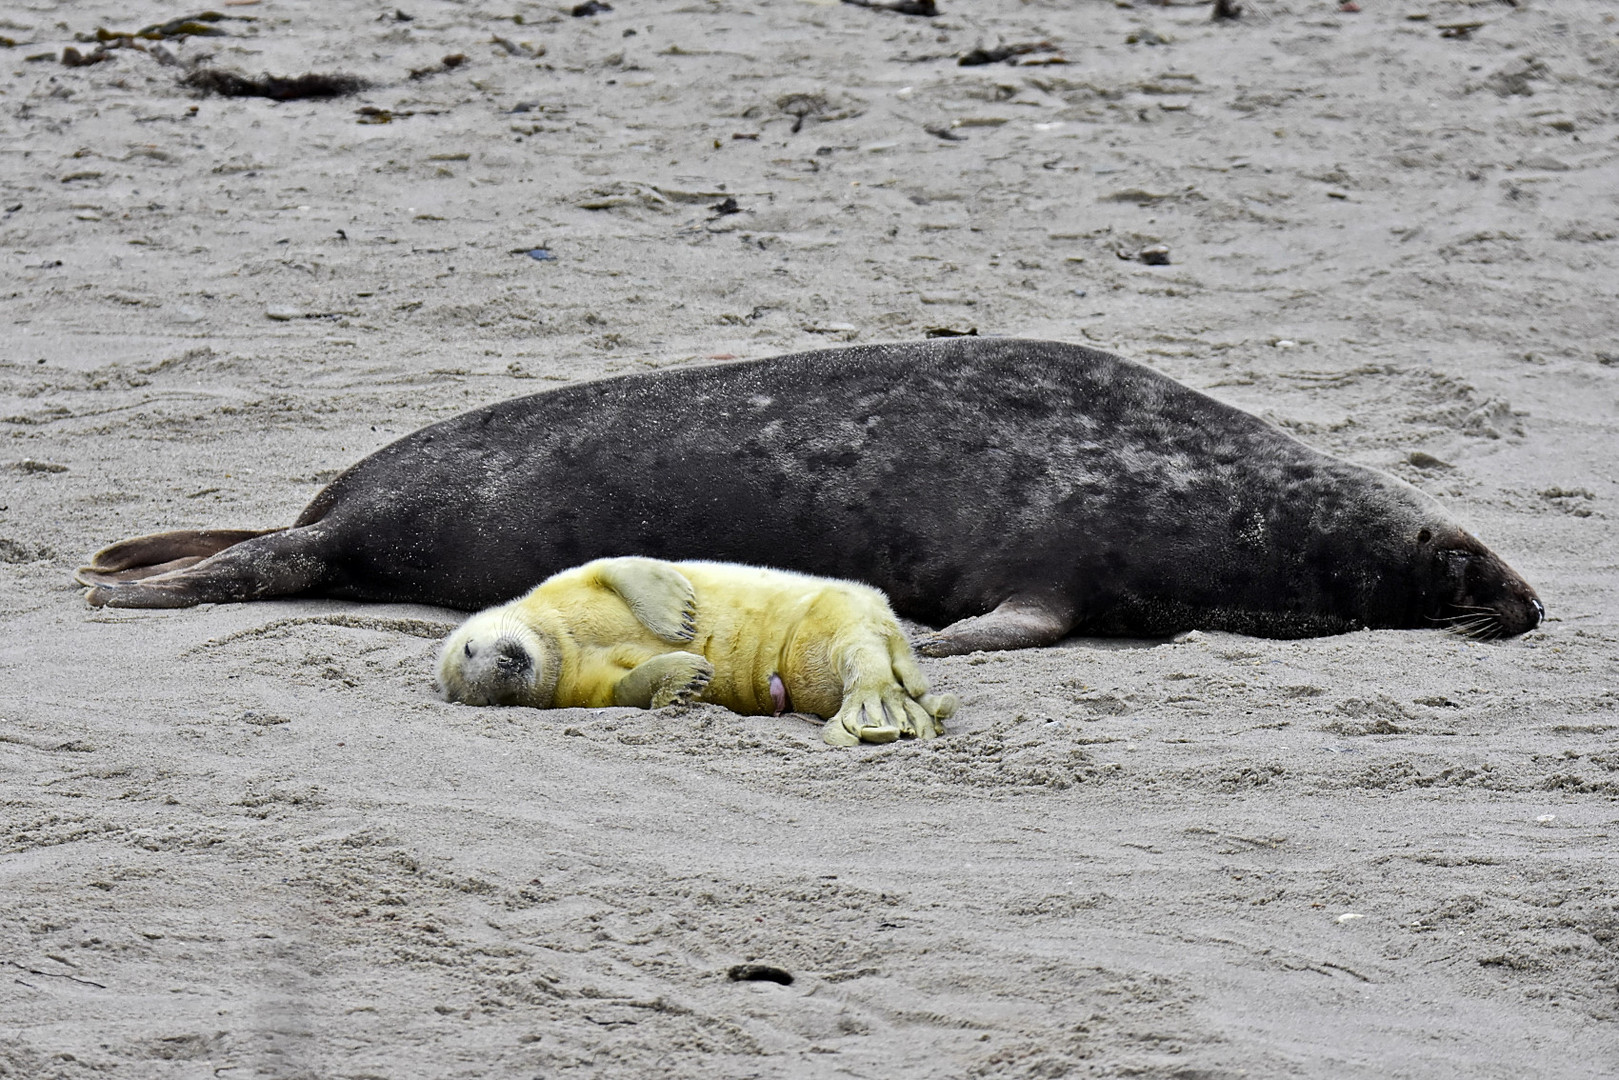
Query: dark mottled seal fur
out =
(1017, 490)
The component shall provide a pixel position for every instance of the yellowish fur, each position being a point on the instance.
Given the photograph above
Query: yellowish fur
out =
(634, 631)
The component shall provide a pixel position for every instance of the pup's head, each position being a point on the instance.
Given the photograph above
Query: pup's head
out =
(495, 658)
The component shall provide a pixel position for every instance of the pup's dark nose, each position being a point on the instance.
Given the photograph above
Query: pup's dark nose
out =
(513, 660)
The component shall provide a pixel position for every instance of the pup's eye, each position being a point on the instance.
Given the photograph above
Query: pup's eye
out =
(467, 648)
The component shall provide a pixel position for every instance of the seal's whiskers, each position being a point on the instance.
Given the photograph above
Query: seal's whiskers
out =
(1478, 627)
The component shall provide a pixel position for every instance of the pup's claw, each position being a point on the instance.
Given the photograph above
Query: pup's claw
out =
(862, 719)
(677, 678)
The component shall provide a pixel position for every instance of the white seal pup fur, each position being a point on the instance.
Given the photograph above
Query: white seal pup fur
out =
(644, 633)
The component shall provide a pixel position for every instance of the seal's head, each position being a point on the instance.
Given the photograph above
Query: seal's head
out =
(496, 658)
(1377, 552)
(1466, 588)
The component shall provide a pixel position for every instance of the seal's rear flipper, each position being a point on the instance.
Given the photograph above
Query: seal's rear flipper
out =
(160, 553)
(276, 562)
(1018, 623)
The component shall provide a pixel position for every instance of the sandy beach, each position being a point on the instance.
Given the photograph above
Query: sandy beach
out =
(249, 840)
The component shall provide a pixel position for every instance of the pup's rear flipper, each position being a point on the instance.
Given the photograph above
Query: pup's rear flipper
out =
(276, 562)
(160, 553)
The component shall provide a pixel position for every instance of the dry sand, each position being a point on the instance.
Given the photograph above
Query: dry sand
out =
(248, 841)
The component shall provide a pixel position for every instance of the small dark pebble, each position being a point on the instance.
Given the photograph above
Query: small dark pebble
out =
(939, 131)
(979, 57)
(1157, 255)
(759, 973)
(590, 7)
(946, 331)
(728, 206)
(1424, 460)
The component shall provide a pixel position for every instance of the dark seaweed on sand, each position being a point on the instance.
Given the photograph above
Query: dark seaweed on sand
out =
(926, 8)
(277, 87)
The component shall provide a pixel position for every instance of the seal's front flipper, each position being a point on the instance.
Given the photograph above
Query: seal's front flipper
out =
(885, 694)
(658, 594)
(877, 713)
(160, 553)
(927, 711)
(676, 678)
(1019, 623)
(281, 562)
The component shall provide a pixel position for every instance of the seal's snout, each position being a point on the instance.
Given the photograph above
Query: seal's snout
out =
(1485, 598)
(1517, 607)
(512, 659)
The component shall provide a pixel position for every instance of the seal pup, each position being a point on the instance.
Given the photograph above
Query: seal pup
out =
(1018, 491)
(644, 633)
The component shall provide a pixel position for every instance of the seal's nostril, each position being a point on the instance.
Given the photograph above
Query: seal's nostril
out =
(512, 659)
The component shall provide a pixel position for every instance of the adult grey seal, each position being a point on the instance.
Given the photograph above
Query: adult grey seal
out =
(1015, 490)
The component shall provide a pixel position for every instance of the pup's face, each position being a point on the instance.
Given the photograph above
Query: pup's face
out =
(493, 659)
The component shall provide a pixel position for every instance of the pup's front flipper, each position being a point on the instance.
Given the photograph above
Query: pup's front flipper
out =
(659, 596)
(1019, 623)
(887, 698)
(677, 678)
